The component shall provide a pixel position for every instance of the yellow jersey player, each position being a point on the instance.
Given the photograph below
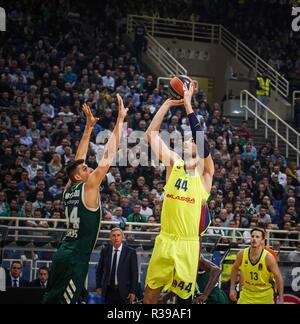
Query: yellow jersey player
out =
(174, 262)
(258, 269)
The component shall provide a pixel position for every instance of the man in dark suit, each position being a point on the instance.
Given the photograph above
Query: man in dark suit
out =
(117, 272)
(13, 279)
(41, 281)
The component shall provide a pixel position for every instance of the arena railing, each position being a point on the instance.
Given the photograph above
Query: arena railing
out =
(261, 113)
(137, 233)
(216, 34)
(163, 58)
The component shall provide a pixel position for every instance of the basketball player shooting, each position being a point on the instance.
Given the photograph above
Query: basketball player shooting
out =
(174, 262)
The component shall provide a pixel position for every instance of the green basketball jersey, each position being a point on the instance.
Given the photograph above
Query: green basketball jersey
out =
(83, 223)
(217, 295)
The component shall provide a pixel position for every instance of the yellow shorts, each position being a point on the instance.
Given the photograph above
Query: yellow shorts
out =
(251, 297)
(174, 265)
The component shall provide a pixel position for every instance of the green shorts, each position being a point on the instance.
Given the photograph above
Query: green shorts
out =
(66, 279)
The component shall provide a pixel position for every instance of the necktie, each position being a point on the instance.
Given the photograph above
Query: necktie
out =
(43, 285)
(113, 268)
(15, 285)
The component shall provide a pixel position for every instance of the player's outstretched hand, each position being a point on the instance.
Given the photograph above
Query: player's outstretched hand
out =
(188, 94)
(122, 111)
(173, 102)
(91, 121)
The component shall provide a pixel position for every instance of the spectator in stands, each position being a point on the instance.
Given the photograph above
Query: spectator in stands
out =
(233, 237)
(41, 281)
(33, 167)
(108, 81)
(224, 218)
(291, 203)
(277, 191)
(136, 216)
(145, 210)
(125, 206)
(70, 77)
(282, 177)
(56, 215)
(249, 208)
(216, 223)
(25, 139)
(14, 279)
(39, 222)
(278, 158)
(39, 203)
(294, 256)
(57, 189)
(107, 217)
(243, 133)
(264, 218)
(25, 184)
(47, 108)
(240, 220)
(4, 206)
(263, 90)
(55, 164)
(127, 190)
(266, 201)
(140, 41)
(117, 217)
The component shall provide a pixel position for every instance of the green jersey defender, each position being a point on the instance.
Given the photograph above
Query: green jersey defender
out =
(83, 213)
(71, 262)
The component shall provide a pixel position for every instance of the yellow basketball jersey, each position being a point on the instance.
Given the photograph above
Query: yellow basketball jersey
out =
(181, 210)
(257, 287)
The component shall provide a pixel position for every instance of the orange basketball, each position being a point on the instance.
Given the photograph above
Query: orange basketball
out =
(176, 86)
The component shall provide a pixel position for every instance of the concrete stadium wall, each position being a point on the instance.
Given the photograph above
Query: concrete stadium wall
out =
(211, 61)
(208, 60)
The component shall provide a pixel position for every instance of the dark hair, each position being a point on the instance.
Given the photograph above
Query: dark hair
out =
(258, 229)
(115, 229)
(71, 167)
(264, 207)
(44, 268)
(16, 262)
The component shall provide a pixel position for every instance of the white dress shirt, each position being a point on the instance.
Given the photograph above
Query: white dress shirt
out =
(2, 279)
(117, 263)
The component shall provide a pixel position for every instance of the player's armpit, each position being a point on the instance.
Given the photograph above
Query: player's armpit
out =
(97, 176)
